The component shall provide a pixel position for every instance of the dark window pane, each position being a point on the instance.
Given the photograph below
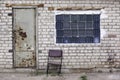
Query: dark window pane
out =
(96, 25)
(96, 17)
(67, 33)
(75, 32)
(74, 18)
(81, 39)
(67, 39)
(59, 33)
(89, 25)
(89, 39)
(75, 39)
(78, 28)
(73, 25)
(59, 25)
(59, 39)
(82, 32)
(81, 25)
(96, 39)
(66, 25)
(59, 18)
(89, 17)
(89, 32)
(82, 17)
(96, 32)
(66, 18)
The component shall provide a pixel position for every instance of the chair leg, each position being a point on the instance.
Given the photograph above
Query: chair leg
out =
(59, 70)
(47, 69)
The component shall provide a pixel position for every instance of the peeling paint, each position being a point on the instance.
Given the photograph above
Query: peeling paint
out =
(23, 35)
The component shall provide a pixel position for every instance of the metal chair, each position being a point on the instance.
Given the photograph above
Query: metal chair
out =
(54, 60)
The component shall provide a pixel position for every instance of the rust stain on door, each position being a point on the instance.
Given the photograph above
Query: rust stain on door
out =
(24, 37)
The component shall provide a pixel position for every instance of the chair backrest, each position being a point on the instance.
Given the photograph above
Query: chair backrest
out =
(55, 53)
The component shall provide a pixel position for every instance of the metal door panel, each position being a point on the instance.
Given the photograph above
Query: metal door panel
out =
(25, 59)
(24, 37)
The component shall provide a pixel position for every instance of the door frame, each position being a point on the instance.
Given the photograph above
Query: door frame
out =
(36, 34)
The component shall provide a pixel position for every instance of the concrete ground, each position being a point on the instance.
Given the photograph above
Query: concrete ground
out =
(73, 76)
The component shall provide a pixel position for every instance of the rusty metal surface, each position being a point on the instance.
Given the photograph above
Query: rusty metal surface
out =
(24, 37)
(80, 8)
(11, 5)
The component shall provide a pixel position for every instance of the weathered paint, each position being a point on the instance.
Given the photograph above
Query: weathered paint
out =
(24, 37)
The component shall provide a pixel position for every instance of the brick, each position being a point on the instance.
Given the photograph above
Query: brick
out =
(111, 36)
(50, 8)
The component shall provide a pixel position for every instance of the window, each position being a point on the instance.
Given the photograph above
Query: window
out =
(78, 28)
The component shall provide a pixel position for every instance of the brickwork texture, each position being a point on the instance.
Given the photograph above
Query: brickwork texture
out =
(81, 55)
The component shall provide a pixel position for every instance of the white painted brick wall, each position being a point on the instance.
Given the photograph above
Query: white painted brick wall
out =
(74, 55)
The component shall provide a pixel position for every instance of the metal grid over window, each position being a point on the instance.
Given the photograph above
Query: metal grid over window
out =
(79, 28)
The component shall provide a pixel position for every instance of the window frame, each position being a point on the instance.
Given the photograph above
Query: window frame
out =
(87, 12)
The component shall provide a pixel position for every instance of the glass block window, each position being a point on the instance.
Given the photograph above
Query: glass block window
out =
(79, 28)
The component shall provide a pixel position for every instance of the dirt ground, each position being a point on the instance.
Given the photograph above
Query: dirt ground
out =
(72, 76)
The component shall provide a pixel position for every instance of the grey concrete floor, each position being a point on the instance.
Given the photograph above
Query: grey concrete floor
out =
(73, 76)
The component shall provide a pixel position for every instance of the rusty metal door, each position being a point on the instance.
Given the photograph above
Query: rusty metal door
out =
(24, 39)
